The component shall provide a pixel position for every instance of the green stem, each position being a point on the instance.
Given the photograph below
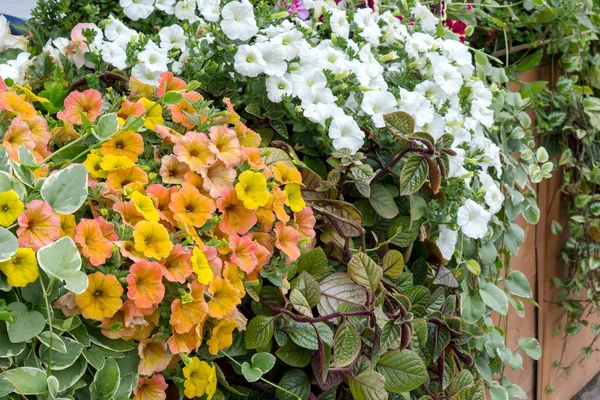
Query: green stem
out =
(44, 293)
(74, 142)
(263, 379)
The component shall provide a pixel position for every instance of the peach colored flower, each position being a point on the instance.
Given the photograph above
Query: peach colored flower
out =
(184, 316)
(304, 222)
(225, 298)
(243, 252)
(88, 102)
(130, 215)
(133, 178)
(162, 198)
(38, 225)
(145, 283)
(172, 170)
(177, 266)
(236, 217)
(191, 205)
(287, 240)
(217, 178)
(167, 82)
(192, 149)
(225, 145)
(18, 134)
(15, 105)
(185, 342)
(179, 110)
(94, 246)
(151, 388)
(153, 356)
(127, 144)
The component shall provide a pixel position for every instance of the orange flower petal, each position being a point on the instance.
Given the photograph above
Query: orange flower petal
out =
(145, 283)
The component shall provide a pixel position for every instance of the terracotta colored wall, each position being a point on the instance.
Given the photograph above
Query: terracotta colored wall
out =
(539, 260)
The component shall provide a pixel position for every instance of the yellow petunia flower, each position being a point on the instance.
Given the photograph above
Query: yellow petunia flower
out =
(293, 197)
(102, 298)
(145, 205)
(67, 225)
(251, 189)
(22, 268)
(10, 207)
(111, 162)
(92, 163)
(152, 240)
(224, 300)
(222, 336)
(154, 113)
(200, 379)
(202, 269)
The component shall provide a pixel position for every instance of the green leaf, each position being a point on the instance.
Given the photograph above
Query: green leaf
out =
(304, 334)
(531, 347)
(346, 345)
(8, 348)
(8, 182)
(403, 370)
(400, 123)
(493, 297)
(108, 125)
(393, 264)
(409, 231)
(251, 373)
(531, 61)
(474, 392)
(338, 289)
(4, 164)
(472, 308)
(57, 343)
(413, 174)
(296, 382)
(383, 201)
(309, 287)
(66, 190)
(263, 361)
(28, 324)
(27, 380)
(300, 303)
(294, 355)
(498, 392)
(106, 381)
(517, 284)
(369, 385)
(474, 267)
(259, 332)
(8, 244)
(363, 270)
(314, 262)
(171, 98)
(64, 360)
(133, 124)
(61, 260)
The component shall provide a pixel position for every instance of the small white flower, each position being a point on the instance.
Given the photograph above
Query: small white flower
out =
(210, 9)
(449, 79)
(153, 57)
(306, 80)
(172, 37)
(473, 219)
(15, 69)
(146, 75)
(248, 61)
(186, 10)
(494, 198)
(339, 23)
(137, 9)
(318, 113)
(118, 33)
(275, 64)
(376, 104)
(113, 54)
(346, 133)
(166, 6)
(8, 40)
(426, 18)
(287, 44)
(446, 242)
(417, 106)
(238, 20)
(277, 87)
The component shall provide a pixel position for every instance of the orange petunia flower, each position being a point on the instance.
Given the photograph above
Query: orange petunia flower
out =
(15, 105)
(18, 134)
(39, 129)
(225, 145)
(130, 109)
(287, 240)
(152, 239)
(89, 103)
(162, 197)
(177, 266)
(217, 178)
(225, 298)
(236, 217)
(108, 229)
(154, 356)
(145, 205)
(193, 149)
(186, 315)
(231, 272)
(130, 215)
(221, 336)
(191, 205)
(102, 298)
(304, 222)
(185, 342)
(139, 89)
(67, 225)
(278, 205)
(94, 246)
(133, 178)
(285, 174)
(243, 252)
(151, 388)
(168, 135)
(193, 179)
(145, 283)
(127, 249)
(167, 82)
(38, 225)
(172, 170)
(127, 144)
(179, 110)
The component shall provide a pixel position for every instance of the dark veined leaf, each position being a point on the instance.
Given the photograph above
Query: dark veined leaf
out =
(400, 123)
(404, 370)
(413, 174)
(338, 289)
(383, 202)
(435, 176)
(314, 262)
(364, 271)
(393, 264)
(296, 382)
(346, 345)
(369, 385)
(259, 331)
(343, 216)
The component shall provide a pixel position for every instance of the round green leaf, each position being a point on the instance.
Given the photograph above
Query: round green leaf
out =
(66, 190)
(472, 308)
(27, 325)
(383, 201)
(263, 361)
(251, 373)
(532, 347)
(8, 244)
(106, 381)
(403, 370)
(108, 125)
(493, 296)
(171, 98)
(8, 348)
(62, 360)
(68, 376)
(517, 284)
(62, 261)
(27, 380)
(9, 182)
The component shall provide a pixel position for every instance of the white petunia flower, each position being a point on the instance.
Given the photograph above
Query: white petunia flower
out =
(275, 64)
(425, 17)
(248, 61)
(287, 44)
(8, 40)
(137, 9)
(417, 106)
(186, 10)
(238, 20)
(210, 9)
(446, 242)
(113, 54)
(346, 133)
(15, 69)
(118, 33)
(339, 23)
(146, 75)
(277, 87)
(306, 80)
(473, 219)
(448, 78)
(318, 113)
(166, 5)
(153, 57)
(172, 37)
(376, 104)
(494, 198)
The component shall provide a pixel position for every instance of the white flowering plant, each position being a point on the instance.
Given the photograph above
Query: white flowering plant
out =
(407, 141)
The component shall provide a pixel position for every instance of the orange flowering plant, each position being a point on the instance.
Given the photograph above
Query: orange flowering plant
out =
(134, 229)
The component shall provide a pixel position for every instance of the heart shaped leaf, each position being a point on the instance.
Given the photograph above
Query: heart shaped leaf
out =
(62, 261)
(66, 190)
